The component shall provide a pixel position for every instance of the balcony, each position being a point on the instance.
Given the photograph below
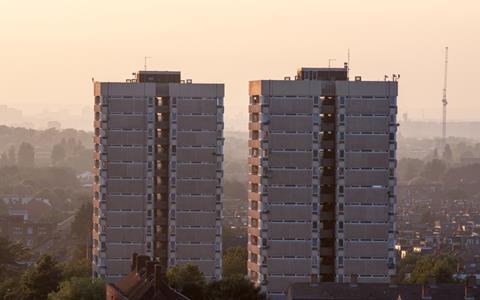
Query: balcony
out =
(253, 266)
(253, 231)
(326, 251)
(254, 126)
(327, 216)
(327, 162)
(161, 236)
(160, 204)
(253, 249)
(325, 179)
(162, 172)
(254, 108)
(162, 140)
(254, 178)
(255, 161)
(254, 214)
(163, 109)
(327, 144)
(327, 198)
(161, 189)
(327, 126)
(327, 109)
(326, 269)
(162, 156)
(163, 124)
(253, 196)
(326, 233)
(96, 156)
(254, 143)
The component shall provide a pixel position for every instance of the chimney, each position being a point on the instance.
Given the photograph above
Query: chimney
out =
(470, 285)
(353, 280)
(150, 268)
(134, 262)
(141, 262)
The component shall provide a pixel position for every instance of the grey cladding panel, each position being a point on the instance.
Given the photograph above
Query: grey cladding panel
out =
(366, 142)
(290, 141)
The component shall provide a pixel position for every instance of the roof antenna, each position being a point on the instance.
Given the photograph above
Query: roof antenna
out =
(348, 63)
(329, 61)
(145, 65)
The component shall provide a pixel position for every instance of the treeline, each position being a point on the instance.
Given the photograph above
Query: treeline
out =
(58, 185)
(47, 278)
(29, 148)
(439, 168)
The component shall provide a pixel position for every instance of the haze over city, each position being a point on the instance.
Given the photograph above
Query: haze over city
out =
(55, 48)
(239, 150)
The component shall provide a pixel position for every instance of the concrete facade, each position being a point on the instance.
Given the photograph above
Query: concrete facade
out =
(322, 180)
(158, 173)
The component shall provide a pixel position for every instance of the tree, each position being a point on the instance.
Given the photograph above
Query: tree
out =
(12, 156)
(409, 168)
(82, 223)
(4, 159)
(77, 268)
(80, 288)
(233, 288)
(434, 169)
(447, 154)
(58, 154)
(235, 261)
(10, 253)
(26, 155)
(44, 278)
(188, 280)
(439, 267)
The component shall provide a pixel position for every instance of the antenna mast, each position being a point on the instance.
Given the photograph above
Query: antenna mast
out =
(444, 99)
(145, 61)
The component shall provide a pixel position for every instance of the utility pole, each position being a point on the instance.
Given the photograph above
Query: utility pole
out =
(444, 99)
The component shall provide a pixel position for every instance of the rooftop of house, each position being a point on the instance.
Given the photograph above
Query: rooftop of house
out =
(383, 291)
(145, 281)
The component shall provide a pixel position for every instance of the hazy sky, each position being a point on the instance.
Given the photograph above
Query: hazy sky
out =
(50, 50)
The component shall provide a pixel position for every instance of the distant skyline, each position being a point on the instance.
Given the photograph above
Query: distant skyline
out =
(52, 49)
